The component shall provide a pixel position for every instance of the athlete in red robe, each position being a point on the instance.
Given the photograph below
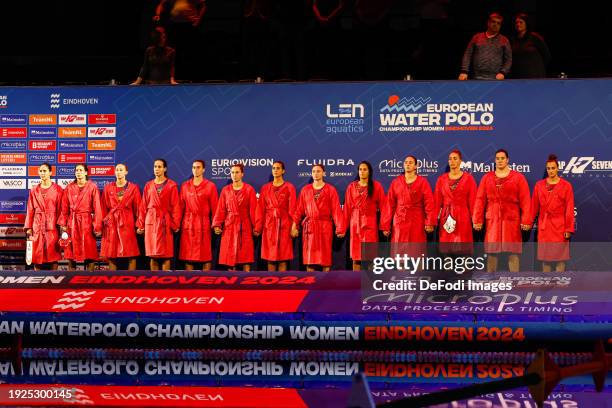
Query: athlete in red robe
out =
(454, 198)
(159, 216)
(44, 208)
(199, 202)
(503, 195)
(363, 200)
(273, 219)
(553, 201)
(121, 203)
(81, 217)
(235, 218)
(410, 207)
(317, 210)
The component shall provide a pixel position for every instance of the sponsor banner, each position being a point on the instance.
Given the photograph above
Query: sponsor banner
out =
(64, 182)
(42, 145)
(101, 131)
(46, 119)
(152, 396)
(13, 145)
(12, 184)
(101, 171)
(481, 167)
(345, 118)
(20, 158)
(103, 158)
(13, 119)
(34, 182)
(12, 218)
(166, 300)
(13, 267)
(102, 119)
(3, 101)
(65, 171)
(72, 145)
(13, 245)
(11, 205)
(43, 132)
(101, 145)
(13, 171)
(72, 132)
(73, 119)
(590, 166)
(12, 258)
(12, 232)
(220, 168)
(39, 158)
(71, 158)
(395, 167)
(13, 132)
(33, 171)
(101, 182)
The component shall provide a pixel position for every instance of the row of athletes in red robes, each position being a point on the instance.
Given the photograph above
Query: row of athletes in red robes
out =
(407, 213)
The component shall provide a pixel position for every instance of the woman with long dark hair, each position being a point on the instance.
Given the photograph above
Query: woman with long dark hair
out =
(553, 202)
(363, 201)
(530, 54)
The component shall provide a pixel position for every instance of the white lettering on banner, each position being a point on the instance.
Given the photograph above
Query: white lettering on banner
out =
(142, 396)
(221, 368)
(57, 328)
(13, 171)
(320, 368)
(29, 280)
(324, 332)
(13, 184)
(83, 367)
(247, 162)
(347, 110)
(8, 327)
(145, 300)
(218, 331)
(326, 162)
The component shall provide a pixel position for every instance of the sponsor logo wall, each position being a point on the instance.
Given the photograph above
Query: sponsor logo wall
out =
(336, 124)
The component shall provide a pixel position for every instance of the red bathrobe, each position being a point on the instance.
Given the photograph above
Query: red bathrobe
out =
(455, 198)
(317, 217)
(274, 218)
(82, 213)
(236, 215)
(42, 217)
(507, 206)
(361, 213)
(199, 204)
(159, 215)
(410, 207)
(555, 208)
(119, 227)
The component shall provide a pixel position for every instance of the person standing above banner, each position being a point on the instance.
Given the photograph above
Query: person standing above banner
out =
(121, 203)
(81, 219)
(235, 220)
(454, 198)
(364, 200)
(409, 211)
(199, 202)
(553, 202)
(273, 219)
(317, 210)
(503, 196)
(159, 216)
(43, 212)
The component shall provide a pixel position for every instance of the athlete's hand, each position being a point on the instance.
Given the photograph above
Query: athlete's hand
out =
(217, 230)
(429, 228)
(386, 233)
(478, 227)
(525, 227)
(140, 231)
(256, 233)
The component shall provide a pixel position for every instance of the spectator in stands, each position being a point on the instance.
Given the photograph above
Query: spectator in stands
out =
(158, 65)
(488, 55)
(530, 54)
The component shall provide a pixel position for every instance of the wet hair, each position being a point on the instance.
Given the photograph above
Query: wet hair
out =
(240, 166)
(48, 166)
(370, 177)
(201, 162)
(504, 151)
(457, 152)
(279, 162)
(525, 17)
(122, 164)
(319, 165)
(164, 163)
(552, 158)
(83, 165)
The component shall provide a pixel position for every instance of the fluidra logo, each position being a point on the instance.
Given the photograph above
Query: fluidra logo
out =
(395, 167)
(345, 118)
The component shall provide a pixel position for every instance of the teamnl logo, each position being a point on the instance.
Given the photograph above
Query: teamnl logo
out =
(345, 118)
(578, 166)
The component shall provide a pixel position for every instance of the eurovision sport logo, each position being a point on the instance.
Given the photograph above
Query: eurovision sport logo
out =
(417, 114)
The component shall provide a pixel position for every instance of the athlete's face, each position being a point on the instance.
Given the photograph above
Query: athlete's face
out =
(44, 173)
(120, 172)
(410, 164)
(277, 170)
(364, 172)
(197, 169)
(158, 168)
(317, 173)
(501, 161)
(454, 161)
(80, 173)
(236, 174)
(552, 169)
